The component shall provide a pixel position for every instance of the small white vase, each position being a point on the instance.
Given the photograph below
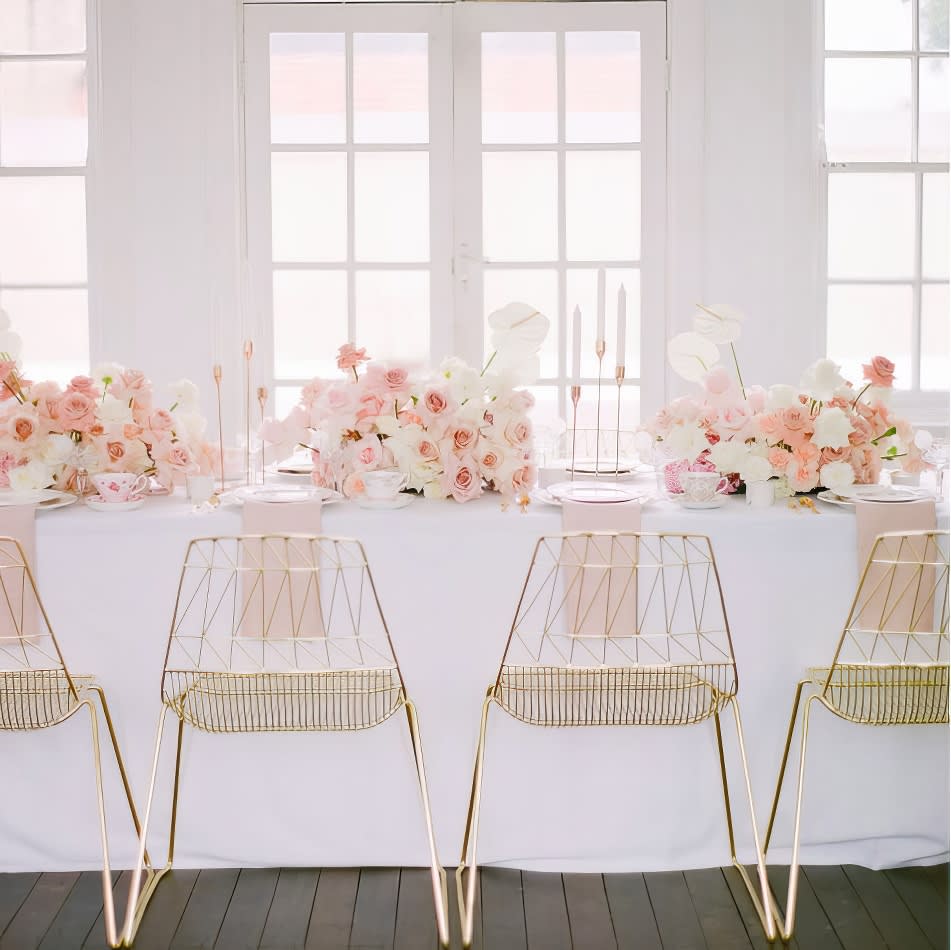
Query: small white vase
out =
(760, 494)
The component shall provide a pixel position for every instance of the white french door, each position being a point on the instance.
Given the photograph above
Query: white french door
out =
(412, 167)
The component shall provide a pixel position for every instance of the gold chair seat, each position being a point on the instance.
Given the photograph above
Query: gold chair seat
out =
(323, 701)
(614, 696)
(35, 699)
(885, 694)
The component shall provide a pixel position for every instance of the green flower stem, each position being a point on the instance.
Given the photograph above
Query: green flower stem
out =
(485, 368)
(739, 376)
(860, 395)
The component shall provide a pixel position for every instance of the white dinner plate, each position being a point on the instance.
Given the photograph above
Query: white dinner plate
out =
(45, 499)
(593, 493)
(882, 493)
(285, 495)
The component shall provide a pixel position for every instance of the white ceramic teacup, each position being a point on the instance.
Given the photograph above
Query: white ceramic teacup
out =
(119, 486)
(701, 487)
(383, 486)
(199, 488)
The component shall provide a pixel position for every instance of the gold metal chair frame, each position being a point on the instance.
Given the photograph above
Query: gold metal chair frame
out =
(908, 574)
(632, 677)
(289, 573)
(33, 697)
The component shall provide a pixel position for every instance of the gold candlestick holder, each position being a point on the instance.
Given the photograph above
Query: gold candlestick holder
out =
(262, 402)
(248, 352)
(619, 379)
(575, 397)
(599, 348)
(216, 372)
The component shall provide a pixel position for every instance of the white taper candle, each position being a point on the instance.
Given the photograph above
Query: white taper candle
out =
(600, 304)
(576, 347)
(621, 325)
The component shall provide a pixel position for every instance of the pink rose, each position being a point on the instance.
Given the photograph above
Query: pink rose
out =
(464, 438)
(861, 432)
(134, 386)
(802, 476)
(349, 357)
(797, 424)
(22, 428)
(160, 421)
(311, 393)
(338, 398)
(779, 459)
(806, 453)
(427, 449)
(435, 400)
(523, 478)
(866, 464)
(77, 411)
(521, 400)
(371, 406)
(367, 452)
(880, 372)
(85, 385)
(768, 424)
(491, 459)
(463, 479)
(518, 431)
(735, 419)
(841, 454)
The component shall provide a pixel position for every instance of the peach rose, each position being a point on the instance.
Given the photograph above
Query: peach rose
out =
(464, 438)
(435, 401)
(861, 432)
(779, 459)
(836, 455)
(880, 372)
(84, 384)
(518, 431)
(866, 464)
(806, 453)
(768, 424)
(22, 428)
(427, 449)
(491, 460)
(463, 479)
(77, 411)
(371, 405)
(802, 477)
(349, 357)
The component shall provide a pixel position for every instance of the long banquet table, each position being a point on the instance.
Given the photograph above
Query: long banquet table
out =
(448, 577)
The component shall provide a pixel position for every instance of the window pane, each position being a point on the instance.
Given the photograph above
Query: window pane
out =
(603, 87)
(309, 206)
(310, 322)
(55, 331)
(393, 314)
(42, 26)
(933, 110)
(582, 289)
(391, 206)
(520, 206)
(934, 226)
(868, 24)
(42, 113)
(868, 110)
(603, 205)
(519, 88)
(285, 398)
(43, 230)
(539, 288)
(308, 88)
(868, 321)
(588, 415)
(390, 87)
(935, 345)
(871, 225)
(933, 24)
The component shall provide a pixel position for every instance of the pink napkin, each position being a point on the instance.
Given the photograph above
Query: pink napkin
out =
(19, 522)
(597, 603)
(875, 518)
(270, 603)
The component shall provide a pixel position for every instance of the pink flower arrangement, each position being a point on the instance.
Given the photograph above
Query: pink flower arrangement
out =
(101, 423)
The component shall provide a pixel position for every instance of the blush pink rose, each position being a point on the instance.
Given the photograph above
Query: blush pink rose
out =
(735, 419)
(880, 372)
(435, 400)
(779, 459)
(797, 425)
(349, 357)
(518, 431)
(802, 476)
(161, 420)
(371, 406)
(491, 459)
(134, 386)
(768, 424)
(806, 453)
(84, 384)
(523, 478)
(841, 454)
(464, 438)
(463, 479)
(866, 464)
(77, 411)
(861, 431)
(521, 400)
(427, 449)
(311, 393)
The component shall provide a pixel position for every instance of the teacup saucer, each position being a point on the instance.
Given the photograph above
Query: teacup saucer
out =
(98, 503)
(700, 505)
(384, 504)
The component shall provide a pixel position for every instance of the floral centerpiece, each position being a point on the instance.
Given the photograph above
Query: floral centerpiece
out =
(826, 432)
(453, 432)
(107, 422)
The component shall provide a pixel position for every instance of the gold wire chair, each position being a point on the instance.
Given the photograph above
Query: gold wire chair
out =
(278, 634)
(617, 629)
(890, 666)
(37, 690)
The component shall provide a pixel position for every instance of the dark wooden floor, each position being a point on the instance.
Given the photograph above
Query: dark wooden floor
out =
(839, 907)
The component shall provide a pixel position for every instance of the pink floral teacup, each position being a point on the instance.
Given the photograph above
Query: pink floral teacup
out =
(119, 486)
(702, 487)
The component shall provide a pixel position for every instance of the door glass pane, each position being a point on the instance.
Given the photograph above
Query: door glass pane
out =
(603, 205)
(43, 230)
(933, 110)
(582, 289)
(871, 225)
(603, 87)
(42, 26)
(934, 225)
(933, 24)
(309, 206)
(865, 321)
(868, 24)
(54, 327)
(538, 288)
(310, 321)
(868, 110)
(43, 113)
(935, 345)
(588, 414)
(391, 194)
(519, 88)
(308, 88)
(520, 206)
(390, 87)
(393, 315)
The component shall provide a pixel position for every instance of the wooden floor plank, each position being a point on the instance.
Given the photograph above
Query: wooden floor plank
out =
(631, 912)
(120, 895)
(674, 911)
(247, 913)
(745, 909)
(205, 910)
(415, 911)
(546, 913)
(293, 901)
(888, 911)
(14, 890)
(165, 910)
(852, 924)
(812, 925)
(38, 911)
(918, 893)
(716, 910)
(503, 912)
(80, 914)
(332, 915)
(938, 875)
(374, 912)
(589, 915)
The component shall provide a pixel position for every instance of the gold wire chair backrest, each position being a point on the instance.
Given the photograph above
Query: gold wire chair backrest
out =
(36, 689)
(279, 633)
(618, 628)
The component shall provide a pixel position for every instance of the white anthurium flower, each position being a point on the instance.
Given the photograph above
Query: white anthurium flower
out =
(692, 356)
(11, 343)
(114, 411)
(518, 330)
(756, 469)
(719, 323)
(729, 457)
(836, 476)
(781, 396)
(822, 380)
(185, 395)
(686, 442)
(923, 439)
(832, 429)
(30, 477)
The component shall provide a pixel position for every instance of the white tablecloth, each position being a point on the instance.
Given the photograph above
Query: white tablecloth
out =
(448, 577)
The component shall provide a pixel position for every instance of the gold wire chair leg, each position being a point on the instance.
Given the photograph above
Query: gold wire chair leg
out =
(465, 888)
(140, 896)
(762, 900)
(440, 888)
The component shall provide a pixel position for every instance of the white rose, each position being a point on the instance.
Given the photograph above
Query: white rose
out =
(822, 380)
(185, 395)
(781, 396)
(832, 429)
(29, 477)
(729, 456)
(106, 373)
(836, 475)
(434, 489)
(58, 450)
(463, 381)
(686, 442)
(719, 323)
(691, 356)
(756, 469)
(112, 411)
